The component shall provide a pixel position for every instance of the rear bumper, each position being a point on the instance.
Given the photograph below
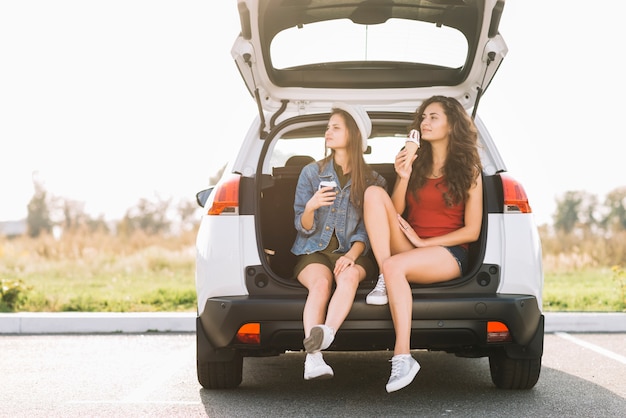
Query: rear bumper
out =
(453, 323)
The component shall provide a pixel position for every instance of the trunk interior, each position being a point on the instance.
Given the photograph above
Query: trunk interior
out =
(277, 221)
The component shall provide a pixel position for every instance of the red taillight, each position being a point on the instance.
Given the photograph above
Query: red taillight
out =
(497, 332)
(250, 333)
(515, 199)
(226, 200)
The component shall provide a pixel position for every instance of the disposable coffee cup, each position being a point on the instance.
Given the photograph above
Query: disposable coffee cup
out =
(327, 184)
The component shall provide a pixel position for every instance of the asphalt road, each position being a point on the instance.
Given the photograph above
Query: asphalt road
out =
(139, 375)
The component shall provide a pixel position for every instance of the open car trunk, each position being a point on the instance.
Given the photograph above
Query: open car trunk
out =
(276, 218)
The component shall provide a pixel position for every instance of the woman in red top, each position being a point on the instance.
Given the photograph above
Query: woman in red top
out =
(441, 194)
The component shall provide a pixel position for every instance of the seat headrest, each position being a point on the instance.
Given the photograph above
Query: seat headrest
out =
(299, 160)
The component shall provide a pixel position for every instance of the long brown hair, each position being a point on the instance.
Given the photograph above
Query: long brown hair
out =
(360, 172)
(462, 165)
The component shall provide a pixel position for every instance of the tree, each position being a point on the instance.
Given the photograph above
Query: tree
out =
(567, 210)
(616, 205)
(73, 214)
(98, 224)
(187, 210)
(150, 217)
(74, 217)
(38, 218)
(576, 209)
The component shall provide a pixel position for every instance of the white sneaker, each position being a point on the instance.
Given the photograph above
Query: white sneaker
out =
(316, 368)
(404, 368)
(378, 296)
(320, 338)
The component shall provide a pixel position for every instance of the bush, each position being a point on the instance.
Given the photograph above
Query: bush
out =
(13, 293)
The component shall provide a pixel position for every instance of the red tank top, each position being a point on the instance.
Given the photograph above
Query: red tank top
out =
(429, 215)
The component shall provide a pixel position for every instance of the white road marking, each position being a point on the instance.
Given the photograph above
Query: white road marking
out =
(592, 347)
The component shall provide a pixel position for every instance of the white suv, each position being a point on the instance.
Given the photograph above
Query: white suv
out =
(297, 58)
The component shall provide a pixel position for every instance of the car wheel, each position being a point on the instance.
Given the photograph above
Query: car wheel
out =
(508, 373)
(220, 374)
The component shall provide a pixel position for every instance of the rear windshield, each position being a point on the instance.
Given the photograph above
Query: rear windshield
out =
(396, 40)
(381, 149)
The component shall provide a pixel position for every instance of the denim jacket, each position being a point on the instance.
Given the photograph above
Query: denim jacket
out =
(341, 216)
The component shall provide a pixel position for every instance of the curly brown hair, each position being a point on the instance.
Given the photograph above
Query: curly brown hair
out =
(462, 166)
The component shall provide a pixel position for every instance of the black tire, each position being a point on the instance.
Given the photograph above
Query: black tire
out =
(220, 374)
(508, 373)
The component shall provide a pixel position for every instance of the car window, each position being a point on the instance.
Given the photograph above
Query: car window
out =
(397, 40)
(381, 149)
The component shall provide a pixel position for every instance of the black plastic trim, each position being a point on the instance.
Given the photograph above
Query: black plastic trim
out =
(451, 322)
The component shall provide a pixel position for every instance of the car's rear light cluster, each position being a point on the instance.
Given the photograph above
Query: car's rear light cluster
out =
(515, 199)
(249, 333)
(226, 200)
(497, 332)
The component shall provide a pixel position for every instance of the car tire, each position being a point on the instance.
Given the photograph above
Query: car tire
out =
(220, 374)
(509, 373)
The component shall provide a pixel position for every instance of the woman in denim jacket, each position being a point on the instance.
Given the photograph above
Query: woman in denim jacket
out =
(331, 241)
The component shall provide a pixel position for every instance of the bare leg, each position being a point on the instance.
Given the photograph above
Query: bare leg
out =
(376, 218)
(343, 297)
(318, 279)
(420, 265)
(381, 223)
(400, 305)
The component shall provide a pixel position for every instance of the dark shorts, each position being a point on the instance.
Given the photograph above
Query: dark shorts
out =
(329, 260)
(459, 253)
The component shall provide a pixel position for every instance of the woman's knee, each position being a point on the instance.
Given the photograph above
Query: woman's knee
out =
(392, 268)
(350, 278)
(321, 287)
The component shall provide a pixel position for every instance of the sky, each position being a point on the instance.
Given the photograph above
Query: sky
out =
(111, 101)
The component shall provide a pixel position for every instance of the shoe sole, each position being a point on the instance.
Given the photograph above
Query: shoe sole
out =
(323, 376)
(407, 381)
(315, 341)
(376, 301)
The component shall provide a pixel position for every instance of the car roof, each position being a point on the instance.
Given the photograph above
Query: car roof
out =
(303, 55)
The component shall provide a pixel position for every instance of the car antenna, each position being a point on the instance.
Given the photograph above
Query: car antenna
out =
(491, 56)
(257, 97)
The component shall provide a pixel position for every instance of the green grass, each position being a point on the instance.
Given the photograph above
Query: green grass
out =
(111, 291)
(170, 287)
(584, 290)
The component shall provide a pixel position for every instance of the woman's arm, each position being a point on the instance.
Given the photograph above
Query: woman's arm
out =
(322, 197)
(403, 171)
(356, 250)
(305, 190)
